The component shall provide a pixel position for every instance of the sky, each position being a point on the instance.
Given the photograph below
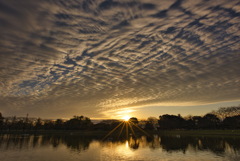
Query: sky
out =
(111, 58)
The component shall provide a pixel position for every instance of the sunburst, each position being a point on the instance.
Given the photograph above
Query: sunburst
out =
(128, 125)
(126, 118)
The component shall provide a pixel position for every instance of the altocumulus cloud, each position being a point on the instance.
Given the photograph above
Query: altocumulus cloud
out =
(59, 58)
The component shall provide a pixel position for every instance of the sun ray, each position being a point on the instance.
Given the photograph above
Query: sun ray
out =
(127, 131)
(131, 129)
(141, 129)
(112, 131)
(129, 126)
(122, 129)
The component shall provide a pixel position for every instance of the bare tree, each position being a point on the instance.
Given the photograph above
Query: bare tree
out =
(224, 112)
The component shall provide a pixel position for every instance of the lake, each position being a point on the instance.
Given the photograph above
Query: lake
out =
(92, 148)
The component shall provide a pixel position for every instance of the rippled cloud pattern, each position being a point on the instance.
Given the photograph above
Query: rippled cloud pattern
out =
(90, 56)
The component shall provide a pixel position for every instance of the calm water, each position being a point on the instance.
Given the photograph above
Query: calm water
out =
(74, 147)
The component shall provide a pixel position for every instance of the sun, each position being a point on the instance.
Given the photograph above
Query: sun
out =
(126, 118)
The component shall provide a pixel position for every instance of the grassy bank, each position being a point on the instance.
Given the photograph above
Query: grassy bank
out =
(103, 133)
(64, 132)
(201, 132)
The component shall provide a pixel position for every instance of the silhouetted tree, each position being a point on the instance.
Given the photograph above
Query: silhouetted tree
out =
(26, 119)
(209, 121)
(190, 122)
(150, 123)
(231, 122)
(171, 122)
(133, 120)
(39, 124)
(114, 124)
(224, 112)
(79, 123)
(59, 124)
(149, 126)
(197, 121)
(102, 126)
(1, 120)
(48, 125)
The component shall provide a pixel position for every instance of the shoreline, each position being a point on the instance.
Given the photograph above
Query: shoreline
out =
(214, 132)
(101, 132)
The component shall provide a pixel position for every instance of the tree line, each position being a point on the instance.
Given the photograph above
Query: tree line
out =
(208, 121)
(75, 123)
(223, 118)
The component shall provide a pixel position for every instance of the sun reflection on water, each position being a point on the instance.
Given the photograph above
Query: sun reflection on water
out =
(127, 145)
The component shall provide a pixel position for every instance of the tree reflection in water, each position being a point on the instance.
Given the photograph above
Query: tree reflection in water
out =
(133, 143)
(217, 145)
